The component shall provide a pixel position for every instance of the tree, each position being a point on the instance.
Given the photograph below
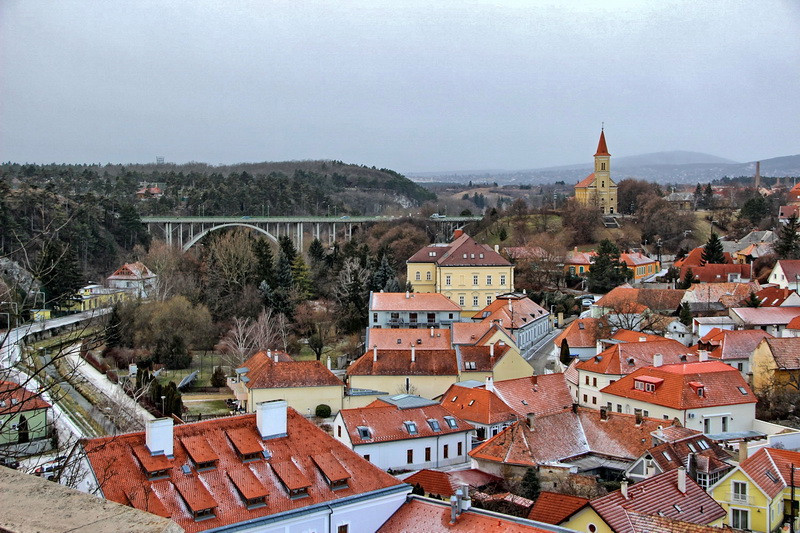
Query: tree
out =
(172, 353)
(788, 244)
(713, 253)
(316, 345)
(607, 270)
(316, 252)
(565, 356)
(352, 295)
(582, 221)
(752, 300)
(265, 268)
(301, 279)
(530, 485)
(688, 279)
(218, 378)
(382, 275)
(59, 273)
(503, 235)
(708, 197)
(631, 193)
(685, 315)
(755, 209)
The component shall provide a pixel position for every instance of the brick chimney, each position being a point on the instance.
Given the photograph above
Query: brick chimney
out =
(603, 413)
(158, 436)
(458, 233)
(743, 451)
(271, 419)
(530, 420)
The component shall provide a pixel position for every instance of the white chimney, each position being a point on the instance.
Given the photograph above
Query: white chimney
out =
(642, 339)
(598, 347)
(275, 355)
(658, 359)
(375, 353)
(743, 451)
(703, 355)
(497, 248)
(489, 383)
(682, 479)
(491, 350)
(413, 353)
(431, 332)
(158, 436)
(623, 488)
(408, 295)
(510, 308)
(329, 362)
(466, 502)
(271, 419)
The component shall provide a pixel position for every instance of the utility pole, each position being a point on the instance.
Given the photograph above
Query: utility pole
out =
(792, 507)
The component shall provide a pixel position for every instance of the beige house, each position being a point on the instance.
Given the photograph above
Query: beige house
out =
(776, 362)
(303, 384)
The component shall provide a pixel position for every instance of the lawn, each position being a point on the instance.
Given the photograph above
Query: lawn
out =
(202, 361)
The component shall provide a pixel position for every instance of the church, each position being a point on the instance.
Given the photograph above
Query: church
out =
(598, 189)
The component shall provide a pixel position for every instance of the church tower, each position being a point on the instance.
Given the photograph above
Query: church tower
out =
(598, 188)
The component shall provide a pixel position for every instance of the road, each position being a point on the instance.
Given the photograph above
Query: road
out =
(541, 352)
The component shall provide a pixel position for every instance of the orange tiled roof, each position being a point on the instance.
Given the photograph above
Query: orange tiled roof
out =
(794, 323)
(14, 399)
(475, 333)
(773, 296)
(582, 333)
(708, 456)
(123, 480)
(627, 335)
(790, 267)
(420, 515)
(132, 271)
(658, 495)
(734, 344)
(433, 482)
(770, 469)
(695, 258)
(628, 357)
(264, 373)
(554, 508)
(411, 301)
(476, 404)
(393, 339)
(729, 293)
(463, 251)
(641, 523)
(387, 422)
(585, 182)
(634, 259)
(479, 358)
(574, 257)
(713, 273)
(785, 351)
(521, 311)
(679, 383)
(654, 299)
(601, 145)
(543, 394)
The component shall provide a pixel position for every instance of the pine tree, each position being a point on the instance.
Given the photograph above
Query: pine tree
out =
(708, 197)
(688, 278)
(393, 285)
(113, 331)
(788, 245)
(301, 279)
(607, 270)
(713, 252)
(752, 300)
(287, 247)
(316, 252)
(685, 315)
(218, 377)
(59, 273)
(382, 275)
(265, 269)
(530, 486)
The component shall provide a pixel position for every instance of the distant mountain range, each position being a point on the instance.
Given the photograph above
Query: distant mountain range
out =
(662, 167)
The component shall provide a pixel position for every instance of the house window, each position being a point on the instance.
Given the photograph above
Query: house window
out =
(410, 456)
(707, 425)
(724, 424)
(338, 431)
(739, 491)
(428, 276)
(411, 427)
(594, 382)
(488, 300)
(366, 457)
(602, 167)
(619, 407)
(475, 301)
(417, 276)
(412, 318)
(740, 518)
(587, 380)
(431, 318)
(460, 449)
(446, 451)
(594, 400)
(427, 454)
(475, 279)
(585, 399)
(374, 317)
(451, 422)
(447, 279)
(502, 280)
(461, 301)
(488, 280)
(740, 366)
(344, 528)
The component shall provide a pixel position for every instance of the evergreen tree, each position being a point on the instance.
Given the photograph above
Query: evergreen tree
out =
(393, 285)
(708, 197)
(503, 235)
(59, 273)
(113, 331)
(688, 278)
(607, 270)
(218, 377)
(265, 269)
(280, 299)
(752, 300)
(172, 353)
(712, 252)
(685, 315)
(316, 252)
(698, 196)
(530, 486)
(788, 245)
(382, 275)
(301, 279)
(287, 247)
(565, 356)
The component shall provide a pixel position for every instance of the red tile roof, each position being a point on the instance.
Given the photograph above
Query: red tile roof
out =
(420, 515)
(772, 296)
(601, 145)
(518, 314)
(790, 267)
(387, 423)
(433, 482)
(766, 316)
(543, 394)
(785, 351)
(480, 358)
(554, 508)
(583, 333)
(708, 456)
(463, 251)
(199, 449)
(120, 476)
(264, 373)
(586, 182)
(627, 335)
(628, 357)
(695, 258)
(634, 259)
(786, 211)
(714, 273)
(247, 483)
(658, 495)
(398, 362)
(654, 299)
(387, 338)
(476, 333)
(679, 390)
(641, 523)
(132, 271)
(770, 469)
(411, 301)
(574, 257)
(477, 405)
(733, 344)
(14, 399)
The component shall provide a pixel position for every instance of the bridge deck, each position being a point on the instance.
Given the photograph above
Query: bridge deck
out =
(296, 219)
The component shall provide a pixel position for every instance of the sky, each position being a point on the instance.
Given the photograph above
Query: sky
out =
(413, 86)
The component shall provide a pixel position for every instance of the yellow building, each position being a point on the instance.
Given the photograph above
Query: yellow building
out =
(775, 364)
(275, 376)
(598, 189)
(757, 494)
(468, 273)
(96, 297)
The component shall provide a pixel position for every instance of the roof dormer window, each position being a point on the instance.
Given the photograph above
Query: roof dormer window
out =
(434, 424)
(411, 427)
(364, 433)
(451, 422)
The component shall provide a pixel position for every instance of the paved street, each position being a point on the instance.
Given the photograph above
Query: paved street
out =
(538, 360)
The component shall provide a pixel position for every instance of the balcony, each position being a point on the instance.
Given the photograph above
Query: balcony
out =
(735, 497)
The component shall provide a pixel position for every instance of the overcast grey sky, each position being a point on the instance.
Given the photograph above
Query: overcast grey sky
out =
(413, 86)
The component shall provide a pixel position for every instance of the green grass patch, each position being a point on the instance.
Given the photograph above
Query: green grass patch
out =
(206, 407)
(203, 362)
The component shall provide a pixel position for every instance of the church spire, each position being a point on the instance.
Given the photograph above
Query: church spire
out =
(601, 146)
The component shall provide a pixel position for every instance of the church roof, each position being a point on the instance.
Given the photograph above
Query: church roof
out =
(588, 180)
(601, 146)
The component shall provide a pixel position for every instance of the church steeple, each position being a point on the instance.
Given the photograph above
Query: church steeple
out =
(601, 146)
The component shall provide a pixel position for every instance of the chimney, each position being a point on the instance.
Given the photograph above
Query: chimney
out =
(466, 502)
(642, 339)
(658, 359)
(408, 295)
(271, 419)
(432, 334)
(457, 233)
(743, 451)
(623, 488)
(375, 353)
(603, 413)
(491, 350)
(489, 384)
(497, 248)
(329, 362)
(598, 347)
(453, 508)
(413, 353)
(269, 354)
(529, 420)
(158, 436)
(275, 355)
(682, 479)
(510, 308)
(703, 355)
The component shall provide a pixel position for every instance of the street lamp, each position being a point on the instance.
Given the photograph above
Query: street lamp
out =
(162, 404)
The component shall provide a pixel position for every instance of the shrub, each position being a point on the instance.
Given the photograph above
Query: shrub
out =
(323, 411)
(218, 377)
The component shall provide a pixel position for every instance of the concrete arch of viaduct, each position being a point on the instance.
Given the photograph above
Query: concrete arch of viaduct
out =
(203, 233)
